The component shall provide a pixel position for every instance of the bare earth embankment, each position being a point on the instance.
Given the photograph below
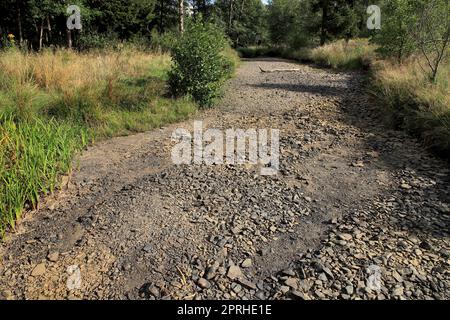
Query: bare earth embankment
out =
(350, 194)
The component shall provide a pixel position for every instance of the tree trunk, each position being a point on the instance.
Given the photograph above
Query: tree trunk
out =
(19, 22)
(241, 13)
(69, 39)
(400, 53)
(161, 16)
(230, 15)
(181, 15)
(323, 34)
(41, 34)
(49, 30)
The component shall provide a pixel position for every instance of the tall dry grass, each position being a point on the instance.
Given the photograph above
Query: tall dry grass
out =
(65, 68)
(350, 55)
(36, 81)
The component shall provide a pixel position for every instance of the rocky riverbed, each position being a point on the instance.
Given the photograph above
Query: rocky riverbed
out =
(357, 211)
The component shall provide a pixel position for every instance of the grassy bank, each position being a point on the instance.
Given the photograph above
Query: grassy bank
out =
(52, 104)
(411, 102)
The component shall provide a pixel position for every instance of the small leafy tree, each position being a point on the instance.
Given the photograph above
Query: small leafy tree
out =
(199, 66)
(395, 38)
(432, 33)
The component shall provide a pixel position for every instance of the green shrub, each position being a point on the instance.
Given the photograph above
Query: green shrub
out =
(199, 64)
(302, 54)
(298, 40)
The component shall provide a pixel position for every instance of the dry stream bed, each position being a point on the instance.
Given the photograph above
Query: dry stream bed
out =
(351, 195)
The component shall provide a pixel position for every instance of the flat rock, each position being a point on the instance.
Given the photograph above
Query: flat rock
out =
(53, 257)
(203, 283)
(246, 283)
(247, 263)
(234, 272)
(345, 236)
(292, 282)
(38, 270)
(349, 290)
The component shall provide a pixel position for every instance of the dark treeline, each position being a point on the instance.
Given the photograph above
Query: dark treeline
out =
(40, 23)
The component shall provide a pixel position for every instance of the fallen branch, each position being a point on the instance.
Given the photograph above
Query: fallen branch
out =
(278, 70)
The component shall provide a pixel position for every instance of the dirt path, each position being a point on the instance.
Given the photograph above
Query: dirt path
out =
(351, 196)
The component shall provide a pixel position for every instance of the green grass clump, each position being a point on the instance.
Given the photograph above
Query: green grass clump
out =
(200, 63)
(162, 111)
(32, 156)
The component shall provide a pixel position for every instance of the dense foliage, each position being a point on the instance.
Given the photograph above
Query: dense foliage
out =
(200, 66)
(39, 23)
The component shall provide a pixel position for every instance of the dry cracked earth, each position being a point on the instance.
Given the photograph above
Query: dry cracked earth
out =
(351, 197)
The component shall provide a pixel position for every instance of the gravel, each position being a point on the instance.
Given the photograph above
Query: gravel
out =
(357, 211)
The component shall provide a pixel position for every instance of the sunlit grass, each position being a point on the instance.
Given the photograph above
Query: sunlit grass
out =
(414, 103)
(350, 55)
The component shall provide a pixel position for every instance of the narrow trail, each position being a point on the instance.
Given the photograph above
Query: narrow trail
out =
(351, 195)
